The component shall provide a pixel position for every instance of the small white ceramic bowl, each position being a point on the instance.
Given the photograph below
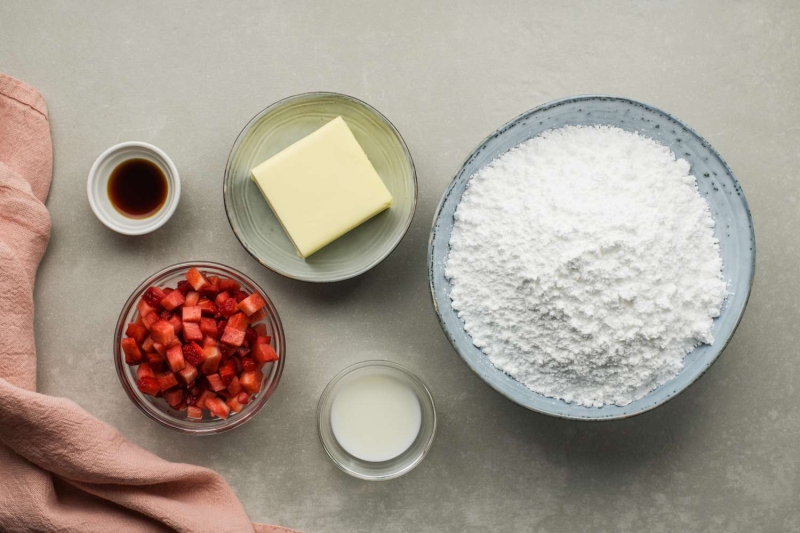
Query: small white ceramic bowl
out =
(97, 188)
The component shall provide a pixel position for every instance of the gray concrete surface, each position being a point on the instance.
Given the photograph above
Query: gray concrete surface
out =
(187, 76)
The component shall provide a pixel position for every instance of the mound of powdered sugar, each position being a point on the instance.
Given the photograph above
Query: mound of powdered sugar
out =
(583, 263)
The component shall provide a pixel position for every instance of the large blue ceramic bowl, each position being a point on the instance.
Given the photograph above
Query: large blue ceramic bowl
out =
(734, 229)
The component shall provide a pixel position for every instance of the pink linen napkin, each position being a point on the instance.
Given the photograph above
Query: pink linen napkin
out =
(60, 468)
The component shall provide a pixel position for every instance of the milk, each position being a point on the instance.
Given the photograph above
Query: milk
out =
(375, 417)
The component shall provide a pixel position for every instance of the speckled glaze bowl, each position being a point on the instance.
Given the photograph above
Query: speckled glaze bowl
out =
(282, 124)
(734, 229)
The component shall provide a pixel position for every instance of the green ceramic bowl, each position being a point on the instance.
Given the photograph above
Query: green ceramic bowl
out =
(279, 126)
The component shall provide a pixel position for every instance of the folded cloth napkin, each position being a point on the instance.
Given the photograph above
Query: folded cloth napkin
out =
(60, 468)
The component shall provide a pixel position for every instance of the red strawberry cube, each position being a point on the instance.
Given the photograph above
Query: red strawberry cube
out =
(173, 300)
(132, 353)
(196, 279)
(232, 336)
(234, 405)
(148, 385)
(153, 296)
(174, 397)
(188, 374)
(177, 325)
(191, 331)
(238, 321)
(251, 381)
(136, 332)
(162, 332)
(264, 353)
(218, 408)
(147, 345)
(203, 398)
(227, 308)
(149, 319)
(192, 298)
(229, 285)
(248, 365)
(160, 349)
(193, 354)
(234, 387)
(215, 382)
(250, 336)
(143, 307)
(207, 307)
(243, 398)
(240, 295)
(258, 316)
(221, 325)
(212, 360)
(263, 339)
(175, 357)
(227, 371)
(208, 327)
(155, 360)
(144, 371)
(221, 298)
(252, 304)
(184, 287)
(194, 413)
(192, 314)
(261, 330)
(166, 381)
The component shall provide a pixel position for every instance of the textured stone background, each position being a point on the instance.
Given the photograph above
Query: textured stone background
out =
(187, 76)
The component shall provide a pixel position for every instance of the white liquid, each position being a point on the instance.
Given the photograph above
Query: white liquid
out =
(375, 417)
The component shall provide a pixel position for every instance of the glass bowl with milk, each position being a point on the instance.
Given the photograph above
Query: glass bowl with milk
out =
(376, 420)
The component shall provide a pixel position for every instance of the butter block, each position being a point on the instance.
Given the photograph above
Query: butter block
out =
(321, 187)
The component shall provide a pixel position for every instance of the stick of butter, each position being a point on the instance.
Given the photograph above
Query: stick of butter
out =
(321, 187)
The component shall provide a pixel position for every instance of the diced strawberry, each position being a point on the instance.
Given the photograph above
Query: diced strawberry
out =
(174, 397)
(191, 313)
(149, 319)
(212, 358)
(261, 329)
(196, 279)
(155, 360)
(243, 398)
(160, 348)
(216, 382)
(184, 287)
(248, 365)
(207, 307)
(221, 325)
(177, 325)
(192, 297)
(148, 385)
(153, 297)
(227, 308)
(139, 321)
(218, 408)
(191, 332)
(258, 316)
(188, 374)
(210, 290)
(175, 357)
(193, 354)
(147, 344)
(166, 381)
(238, 363)
(252, 304)
(143, 307)
(136, 332)
(234, 405)
(264, 353)
(173, 300)
(165, 314)
(203, 398)
(234, 387)
(132, 353)
(238, 321)
(250, 336)
(208, 327)
(166, 291)
(229, 285)
(232, 336)
(162, 332)
(221, 298)
(144, 371)
(194, 413)
(251, 381)
(263, 339)
(239, 295)
(227, 371)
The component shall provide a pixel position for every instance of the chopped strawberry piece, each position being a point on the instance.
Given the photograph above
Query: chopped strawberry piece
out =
(234, 405)
(239, 295)
(148, 385)
(191, 332)
(208, 327)
(193, 354)
(242, 352)
(166, 381)
(264, 353)
(173, 300)
(192, 313)
(210, 290)
(218, 408)
(232, 336)
(192, 297)
(167, 290)
(212, 359)
(165, 315)
(251, 381)
(136, 332)
(196, 279)
(132, 353)
(162, 332)
(174, 397)
(258, 316)
(184, 287)
(227, 308)
(207, 307)
(261, 329)
(227, 371)
(143, 307)
(155, 360)
(238, 321)
(153, 297)
(215, 382)
(234, 387)
(229, 285)
(203, 398)
(243, 398)
(188, 374)
(147, 344)
(250, 336)
(248, 365)
(149, 319)
(144, 371)
(160, 348)
(177, 325)
(221, 325)
(252, 304)
(263, 339)
(175, 358)
(194, 413)
(222, 298)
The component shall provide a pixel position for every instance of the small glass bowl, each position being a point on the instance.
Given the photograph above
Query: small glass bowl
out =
(403, 463)
(157, 408)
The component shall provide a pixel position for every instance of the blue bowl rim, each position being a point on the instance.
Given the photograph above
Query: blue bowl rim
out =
(502, 129)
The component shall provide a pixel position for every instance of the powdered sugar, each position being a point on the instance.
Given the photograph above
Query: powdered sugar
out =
(583, 263)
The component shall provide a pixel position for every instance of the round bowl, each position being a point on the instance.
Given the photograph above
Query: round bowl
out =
(97, 188)
(734, 229)
(282, 124)
(403, 463)
(157, 408)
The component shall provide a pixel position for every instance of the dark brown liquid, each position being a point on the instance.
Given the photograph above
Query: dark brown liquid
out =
(137, 188)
